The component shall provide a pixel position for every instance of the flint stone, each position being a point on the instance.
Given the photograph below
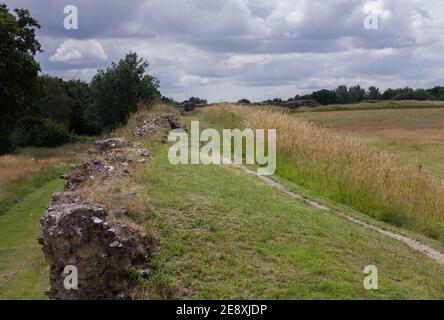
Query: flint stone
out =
(109, 144)
(80, 235)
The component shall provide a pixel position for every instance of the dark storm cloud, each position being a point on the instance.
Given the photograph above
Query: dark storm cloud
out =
(98, 19)
(229, 49)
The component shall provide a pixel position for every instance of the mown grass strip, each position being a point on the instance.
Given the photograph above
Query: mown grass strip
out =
(23, 270)
(18, 190)
(223, 234)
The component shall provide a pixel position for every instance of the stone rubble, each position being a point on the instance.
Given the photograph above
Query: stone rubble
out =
(81, 234)
(109, 144)
(152, 125)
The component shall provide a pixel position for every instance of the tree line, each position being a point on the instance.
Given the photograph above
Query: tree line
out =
(357, 94)
(44, 111)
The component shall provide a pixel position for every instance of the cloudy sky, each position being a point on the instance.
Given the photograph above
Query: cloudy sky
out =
(256, 49)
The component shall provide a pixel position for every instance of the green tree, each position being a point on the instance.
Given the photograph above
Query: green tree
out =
(357, 94)
(342, 94)
(82, 119)
(404, 94)
(40, 132)
(18, 69)
(422, 95)
(118, 90)
(325, 96)
(373, 93)
(54, 102)
(388, 94)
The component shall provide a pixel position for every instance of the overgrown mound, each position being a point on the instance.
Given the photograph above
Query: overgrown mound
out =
(95, 225)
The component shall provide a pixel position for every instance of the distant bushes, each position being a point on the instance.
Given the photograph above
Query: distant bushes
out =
(196, 100)
(357, 94)
(39, 132)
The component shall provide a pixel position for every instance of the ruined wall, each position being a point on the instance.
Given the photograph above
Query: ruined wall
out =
(85, 235)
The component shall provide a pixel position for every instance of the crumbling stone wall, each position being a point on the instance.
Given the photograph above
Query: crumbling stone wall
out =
(78, 234)
(81, 234)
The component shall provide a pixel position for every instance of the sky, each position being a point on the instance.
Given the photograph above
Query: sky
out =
(226, 50)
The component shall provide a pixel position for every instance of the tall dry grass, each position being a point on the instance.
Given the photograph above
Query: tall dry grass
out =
(348, 170)
(15, 167)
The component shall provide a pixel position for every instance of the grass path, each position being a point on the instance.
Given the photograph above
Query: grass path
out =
(224, 234)
(431, 252)
(23, 271)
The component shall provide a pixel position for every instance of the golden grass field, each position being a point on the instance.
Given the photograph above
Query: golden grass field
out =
(346, 168)
(14, 167)
(415, 134)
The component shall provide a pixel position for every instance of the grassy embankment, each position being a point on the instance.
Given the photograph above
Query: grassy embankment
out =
(27, 181)
(349, 171)
(224, 234)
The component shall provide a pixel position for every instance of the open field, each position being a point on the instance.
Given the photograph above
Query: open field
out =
(29, 169)
(348, 170)
(28, 161)
(415, 134)
(224, 234)
(390, 104)
(221, 233)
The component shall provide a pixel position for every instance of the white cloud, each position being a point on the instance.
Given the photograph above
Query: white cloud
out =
(79, 52)
(237, 61)
(188, 80)
(229, 49)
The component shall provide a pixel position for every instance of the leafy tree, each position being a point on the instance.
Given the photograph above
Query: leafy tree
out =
(118, 90)
(437, 92)
(197, 100)
(40, 132)
(342, 94)
(168, 100)
(357, 94)
(82, 118)
(422, 95)
(389, 94)
(373, 93)
(404, 94)
(54, 102)
(18, 69)
(325, 97)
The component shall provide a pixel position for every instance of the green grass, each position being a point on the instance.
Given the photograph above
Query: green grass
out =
(23, 270)
(430, 155)
(23, 187)
(370, 120)
(222, 234)
(67, 150)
